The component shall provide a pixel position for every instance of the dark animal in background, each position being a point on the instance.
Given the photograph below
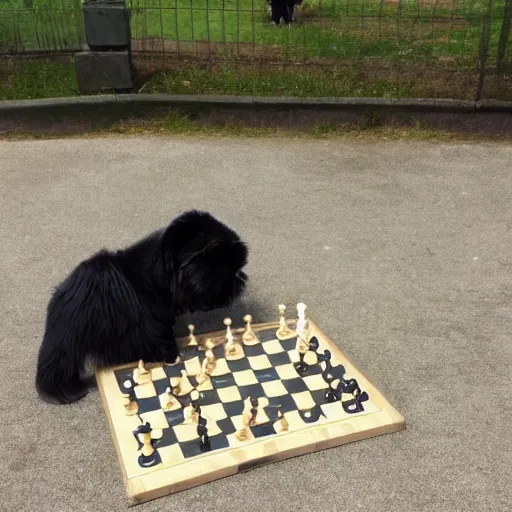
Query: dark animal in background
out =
(118, 307)
(283, 10)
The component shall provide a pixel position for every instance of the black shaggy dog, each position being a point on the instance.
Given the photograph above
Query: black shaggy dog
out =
(119, 307)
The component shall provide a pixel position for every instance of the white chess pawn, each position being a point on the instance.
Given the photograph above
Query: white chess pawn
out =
(284, 331)
(232, 350)
(229, 335)
(192, 340)
(249, 336)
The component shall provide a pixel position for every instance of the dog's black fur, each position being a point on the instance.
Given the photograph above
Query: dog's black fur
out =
(119, 307)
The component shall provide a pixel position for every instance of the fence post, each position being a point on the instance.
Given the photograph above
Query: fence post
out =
(484, 50)
(105, 65)
(504, 35)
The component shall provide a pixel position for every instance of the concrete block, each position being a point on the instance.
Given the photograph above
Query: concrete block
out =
(103, 71)
(107, 25)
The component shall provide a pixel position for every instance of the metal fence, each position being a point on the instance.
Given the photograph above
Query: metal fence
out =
(423, 48)
(40, 26)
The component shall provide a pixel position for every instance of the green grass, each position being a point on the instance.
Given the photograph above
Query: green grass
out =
(346, 29)
(299, 82)
(34, 79)
(40, 25)
(339, 29)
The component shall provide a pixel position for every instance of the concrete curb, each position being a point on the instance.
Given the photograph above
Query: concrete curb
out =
(424, 105)
(75, 114)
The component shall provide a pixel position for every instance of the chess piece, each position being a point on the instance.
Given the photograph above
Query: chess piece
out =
(181, 385)
(191, 337)
(233, 350)
(192, 346)
(282, 421)
(209, 362)
(229, 334)
(185, 384)
(131, 406)
(203, 379)
(302, 323)
(253, 411)
(191, 411)
(249, 337)
(311, 415)
(326, 372)
(243, 434)
(148, 457)
(175, 385)
(171, 404)
(194, 395)
(330, 395)
(207, 367)
(350, 386)
(284, 332)
(301, 366)
(202, 432)
(308, 355)
(248, 418)
(141, 375)
(302, 348)
(356, 404)
(337, 385)
(311, 357)
(190, 414)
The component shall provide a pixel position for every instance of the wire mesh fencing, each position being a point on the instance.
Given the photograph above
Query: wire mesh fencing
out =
(393, 48)
(40, 26)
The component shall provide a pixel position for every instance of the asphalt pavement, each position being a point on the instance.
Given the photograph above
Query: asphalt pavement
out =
(401, 250)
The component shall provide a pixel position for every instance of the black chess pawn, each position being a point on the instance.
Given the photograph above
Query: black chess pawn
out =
(311, 415)
(331, 395)
(326, 373)
(356, 404)
(301, 366)
(202, 432)
(325, 357)
(314, 344)
(254, 410)
(350, 387)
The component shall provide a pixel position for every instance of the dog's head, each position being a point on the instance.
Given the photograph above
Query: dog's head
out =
(205, 259)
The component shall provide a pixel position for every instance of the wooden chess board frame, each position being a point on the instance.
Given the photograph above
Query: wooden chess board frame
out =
(160, 481)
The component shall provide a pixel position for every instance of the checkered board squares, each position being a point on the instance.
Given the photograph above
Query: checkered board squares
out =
(245, 378)
(227, 395)
(312, 421)
(266, 372)
(273, 347)
(221, 367)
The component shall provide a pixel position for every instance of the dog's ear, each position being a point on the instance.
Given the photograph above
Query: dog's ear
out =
(182, 230)
(196, 234)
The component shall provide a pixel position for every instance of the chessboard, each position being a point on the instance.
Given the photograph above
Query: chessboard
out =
(236, 399)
